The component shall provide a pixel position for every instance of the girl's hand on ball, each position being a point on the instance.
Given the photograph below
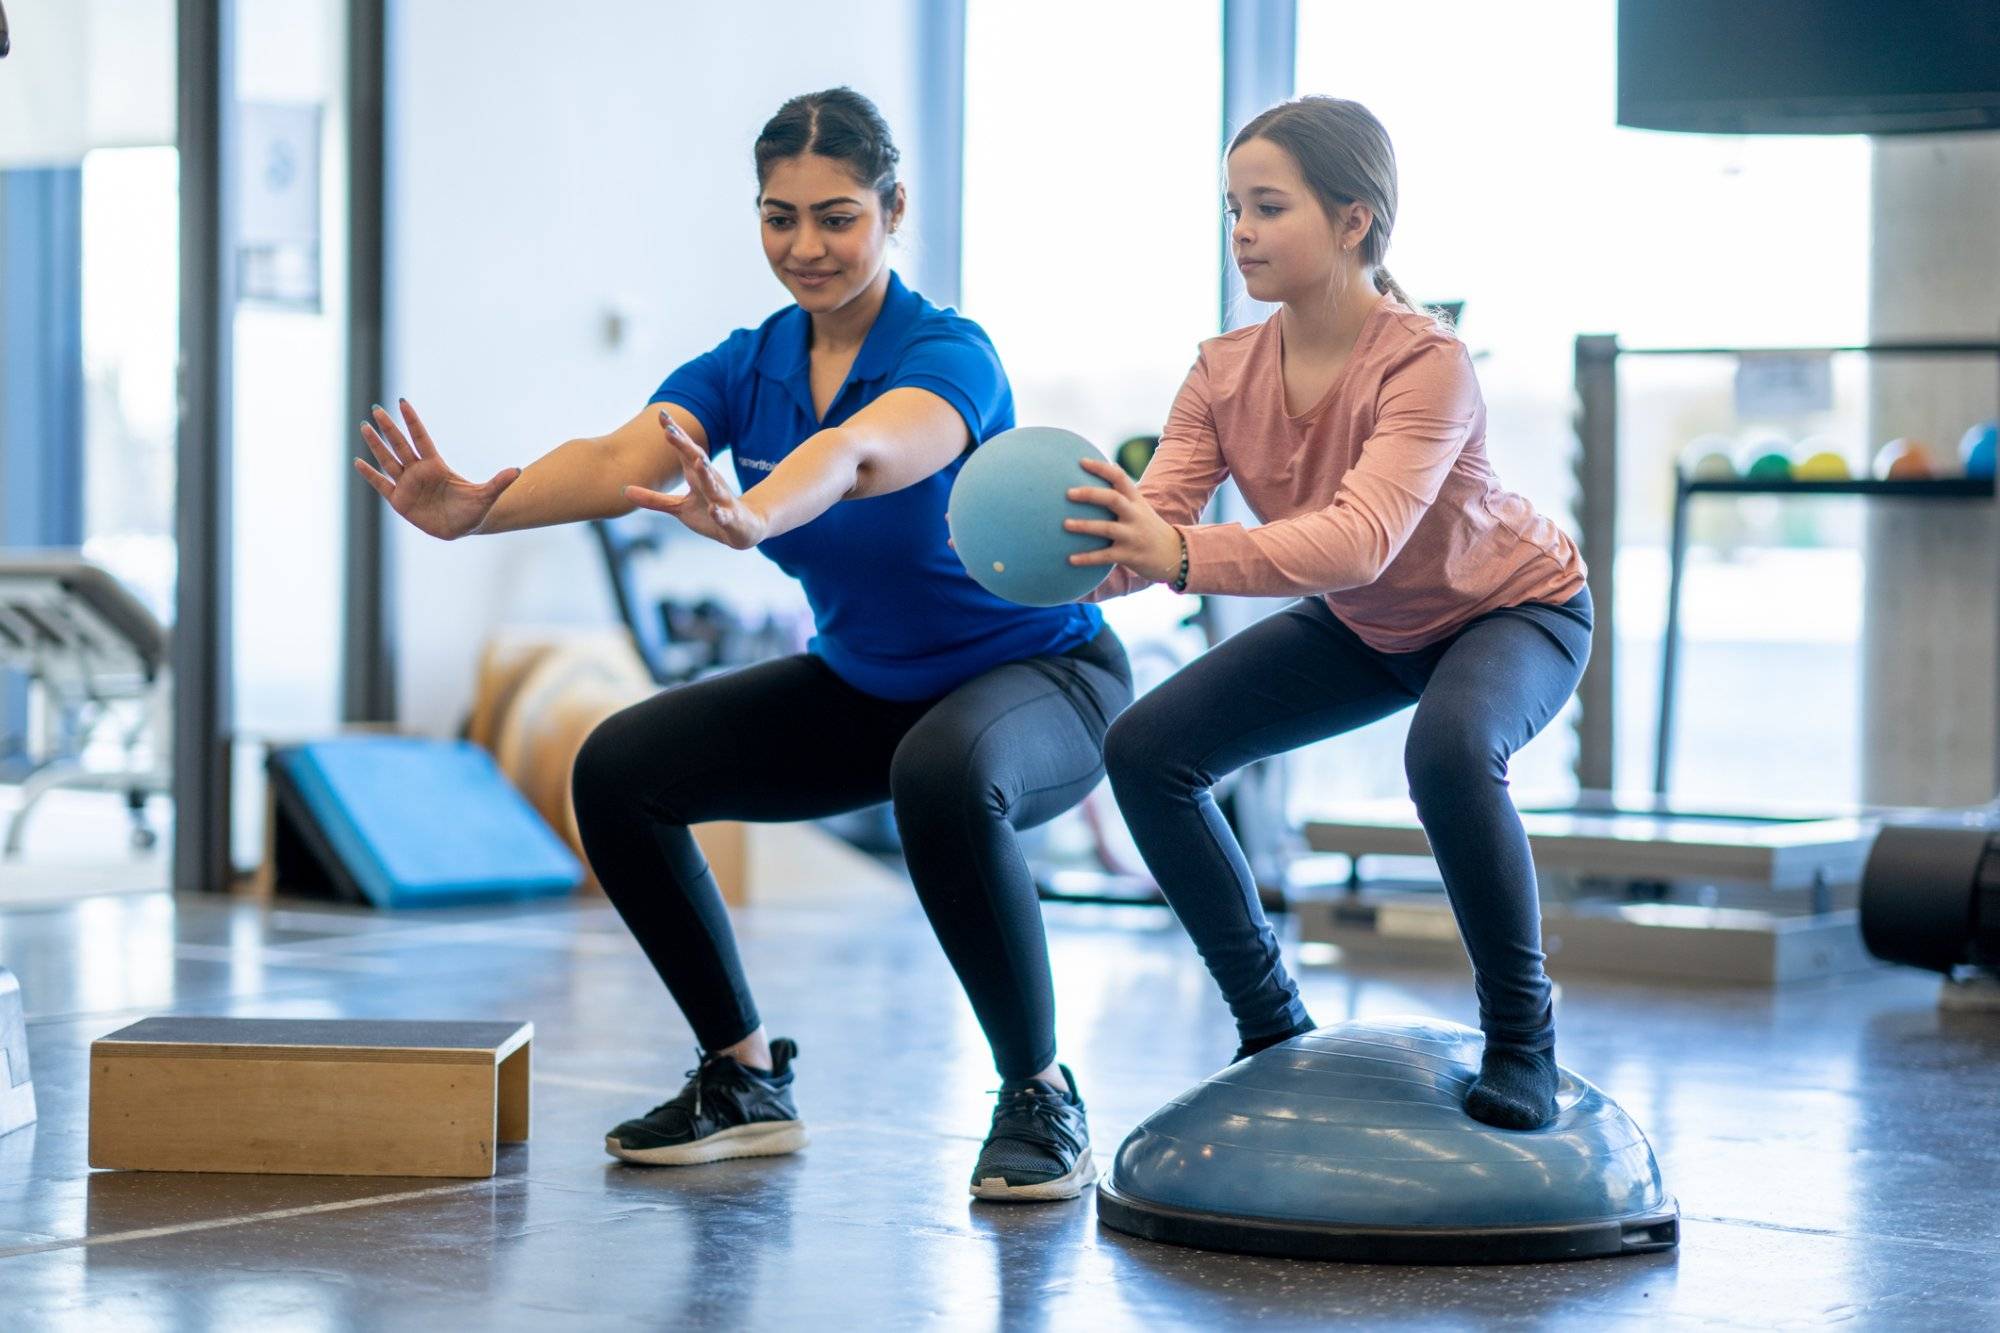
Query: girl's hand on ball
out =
(1140, 539)
(708, 506)
(409, 474)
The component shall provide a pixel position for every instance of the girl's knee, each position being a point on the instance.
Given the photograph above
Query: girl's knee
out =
(1444, 756)
(1137, 745)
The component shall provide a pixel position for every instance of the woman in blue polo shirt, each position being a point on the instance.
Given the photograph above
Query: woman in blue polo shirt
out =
(848, 414)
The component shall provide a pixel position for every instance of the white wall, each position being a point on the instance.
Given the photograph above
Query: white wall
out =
(547, 166)
(86, 74)
(1931, 645)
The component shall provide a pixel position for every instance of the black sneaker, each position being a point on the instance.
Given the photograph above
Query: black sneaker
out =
(726, 1110)
(1039, 1146)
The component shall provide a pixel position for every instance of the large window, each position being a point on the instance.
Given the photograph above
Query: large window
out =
(1520, 196)
(1092, 204)
(131, 309)
(1093, 224)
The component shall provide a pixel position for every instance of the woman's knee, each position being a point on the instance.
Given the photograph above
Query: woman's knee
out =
(625, 757)
(937, 780)
(600, 760)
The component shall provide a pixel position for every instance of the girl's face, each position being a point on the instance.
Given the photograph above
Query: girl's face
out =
(824, 232)
(1286, 247)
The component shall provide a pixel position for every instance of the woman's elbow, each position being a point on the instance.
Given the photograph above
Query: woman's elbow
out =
(862, 470)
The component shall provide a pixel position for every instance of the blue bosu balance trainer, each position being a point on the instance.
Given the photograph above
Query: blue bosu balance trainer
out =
(403, 821)
(1351, 1142)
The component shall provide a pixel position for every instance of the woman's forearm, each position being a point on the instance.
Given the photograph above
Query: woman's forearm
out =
(582, 479)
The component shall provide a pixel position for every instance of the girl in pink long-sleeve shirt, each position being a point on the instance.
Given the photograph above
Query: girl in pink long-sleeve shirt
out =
(1353, 425)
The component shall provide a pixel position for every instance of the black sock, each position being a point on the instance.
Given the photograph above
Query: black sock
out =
(1251, 1045)
(1515, 1089)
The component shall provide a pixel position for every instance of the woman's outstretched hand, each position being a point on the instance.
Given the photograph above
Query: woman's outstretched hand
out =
(708, 506)
(1140, 539)
(409, 474)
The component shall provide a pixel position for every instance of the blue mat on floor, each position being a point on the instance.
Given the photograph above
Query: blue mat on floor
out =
(402, 821)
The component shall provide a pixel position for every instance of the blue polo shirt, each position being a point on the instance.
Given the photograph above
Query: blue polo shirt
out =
(897, 615)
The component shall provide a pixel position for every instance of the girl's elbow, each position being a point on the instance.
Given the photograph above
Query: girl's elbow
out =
(1343, 578)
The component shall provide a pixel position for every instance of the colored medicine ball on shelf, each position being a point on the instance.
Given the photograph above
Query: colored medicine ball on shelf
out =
(1978, 448)
(1707, 458)
(1769, 464)
(1823, 465)
(1905, 460)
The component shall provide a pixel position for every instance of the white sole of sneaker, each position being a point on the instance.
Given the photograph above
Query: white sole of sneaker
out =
(1081, 1178)
(769, 1139)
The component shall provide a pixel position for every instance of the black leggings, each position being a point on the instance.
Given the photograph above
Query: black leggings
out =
(1302, 675)
(789, 740)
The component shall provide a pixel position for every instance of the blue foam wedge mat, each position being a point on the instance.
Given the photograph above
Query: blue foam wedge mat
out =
(404, 821)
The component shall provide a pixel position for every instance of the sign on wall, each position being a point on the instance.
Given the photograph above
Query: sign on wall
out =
(278, 213)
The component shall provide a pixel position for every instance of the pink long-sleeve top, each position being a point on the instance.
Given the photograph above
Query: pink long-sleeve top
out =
(1378, 498)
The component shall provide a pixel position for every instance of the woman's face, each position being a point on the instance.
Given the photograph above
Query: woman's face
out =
(1285, 245)
(824, 232)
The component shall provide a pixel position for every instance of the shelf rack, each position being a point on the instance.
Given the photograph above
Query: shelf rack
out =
(1597, 360)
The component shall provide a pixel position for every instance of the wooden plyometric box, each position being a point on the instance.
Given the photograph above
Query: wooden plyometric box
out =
(361, 1097)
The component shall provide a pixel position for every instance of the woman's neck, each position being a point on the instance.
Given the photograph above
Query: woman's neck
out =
(845, 329)
(1322, 330)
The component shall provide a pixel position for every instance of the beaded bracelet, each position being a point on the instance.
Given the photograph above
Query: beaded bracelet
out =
(1179, 581)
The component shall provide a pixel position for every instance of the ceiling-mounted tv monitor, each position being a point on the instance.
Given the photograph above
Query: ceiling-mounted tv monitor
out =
(1809, 66)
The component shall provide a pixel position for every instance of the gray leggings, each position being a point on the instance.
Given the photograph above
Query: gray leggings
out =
(1300, 676)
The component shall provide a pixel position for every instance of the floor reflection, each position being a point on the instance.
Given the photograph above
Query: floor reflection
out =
(1830, 1145)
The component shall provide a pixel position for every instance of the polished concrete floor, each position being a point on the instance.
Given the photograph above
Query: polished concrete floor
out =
(1835, 1148)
